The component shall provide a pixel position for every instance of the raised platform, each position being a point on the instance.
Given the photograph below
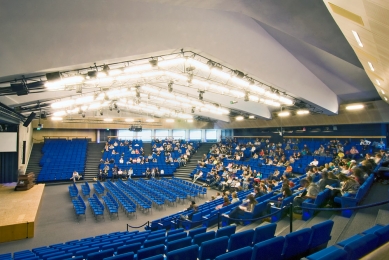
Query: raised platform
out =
(18, 210)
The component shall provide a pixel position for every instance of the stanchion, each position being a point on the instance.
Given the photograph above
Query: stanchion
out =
(218, 220)
(291, 217)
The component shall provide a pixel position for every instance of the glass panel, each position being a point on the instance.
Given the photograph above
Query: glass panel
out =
(210, 134)
(195, 134)
(145, 135)
(179, 134)
(161, 133)
(126, 134)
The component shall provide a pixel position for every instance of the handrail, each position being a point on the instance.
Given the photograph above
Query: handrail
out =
(349, 208)
(67, 137)
(147, 223)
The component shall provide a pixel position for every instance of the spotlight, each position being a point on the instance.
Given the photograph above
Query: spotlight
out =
(170, 86)
(246, 96)
(192, 110)
(201, 95)
(83, 115)
(153, 63)
(118, 110)
(137, 91)
(101, 112)
(43, 115)
(40, 126)
(238, 74)
(91, 74)
(115, 105)
(110, 108)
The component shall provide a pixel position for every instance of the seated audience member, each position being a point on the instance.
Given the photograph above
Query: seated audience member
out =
(235, 198)
(275, 176)
(193, 208)
(310, 192)
(359, 175)
(120, 174)
(196, 176)
(288, 172)
(353, 152)
(349, 185)
(130, 173)
(325, 180)
(244, 207)
(257, 192)
(315, 162)
(75, 175)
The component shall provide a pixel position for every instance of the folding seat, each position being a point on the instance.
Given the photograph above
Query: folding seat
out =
(226, 231)
(84, 253)
(125, 256)
(113, 246)
(156, 257)
(383, 235)
(240, 240)
(240, 254)
(296, 243)
(186, 253)
(320, 235)
(150, 251)
(101, 255)
(361, 246)
(330, 253)
(263, 233)
(212, 248)
(177, 244)
(200, 238)
(270, 249)
(129, 248)
(175, 231)
(196, 231)
(176, 236)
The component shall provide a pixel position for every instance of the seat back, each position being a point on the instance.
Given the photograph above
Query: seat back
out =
(361, 246)
(296, 243)
(186, 253)
(270, 249)
(226, 231)
(213, 248)
(154, 242)
(320, 235)
(200, 238)
(126, 256)
(129, 248)
(150, 251)
(177, 236)
(196, 231)
(263, 233)
(177, 244)
(240, 240)
(175, 231)
(383, 235)
(240, 254)
(101, 255)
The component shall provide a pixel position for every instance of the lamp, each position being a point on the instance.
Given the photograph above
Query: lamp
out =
(170, 86)
(201, 95)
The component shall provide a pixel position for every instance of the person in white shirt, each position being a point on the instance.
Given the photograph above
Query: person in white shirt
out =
(315, 162)
(130, 172)
(75, 175)
(198, 175)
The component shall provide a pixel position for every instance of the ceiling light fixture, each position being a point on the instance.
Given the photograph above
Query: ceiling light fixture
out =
(56, 118)
(150, 120)
(201, 95)
(370, 65)
(189, 120)
(129, 120)
(378, 82)
(108, 119)
(355, 107)
(386, 99)
(357, 38)
(302, 112)
(383, 92)
(169, 120)
(251, 117)
(282, 114)
(170, 86)
(239, 118)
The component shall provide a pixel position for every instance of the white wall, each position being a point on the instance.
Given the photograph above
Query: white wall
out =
(25, 134)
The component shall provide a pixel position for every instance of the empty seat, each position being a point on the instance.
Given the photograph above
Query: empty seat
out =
(177, 244)
(126, 256)
(239, 254)
(150, 251)
(263, 233)
(330, 253)
(296, 243)
(200, 238)
(226, 231)
(186, 253)
(361, 246)
(270, 249)
(176, 236)
(240, 240)
(129, 248)
(213, 248)
(156, 257)
(320, 235)
(101, 255)
(154, 242)
(197, 231)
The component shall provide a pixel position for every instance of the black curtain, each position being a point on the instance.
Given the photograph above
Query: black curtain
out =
(8, 167)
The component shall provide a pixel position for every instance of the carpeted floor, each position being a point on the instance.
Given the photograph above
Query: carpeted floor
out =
(56, 222)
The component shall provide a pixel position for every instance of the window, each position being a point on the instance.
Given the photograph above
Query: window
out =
(210, 134)
(195, 134)
(179, 134)
(161, 133)
(145, 135)
(126, 134)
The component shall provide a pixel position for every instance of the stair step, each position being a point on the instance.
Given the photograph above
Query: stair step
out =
(340, 224)
(382, 217)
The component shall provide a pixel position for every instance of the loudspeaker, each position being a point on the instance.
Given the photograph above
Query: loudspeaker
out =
(20, 89)
(29, 119)
(53, 76)
(24, 153)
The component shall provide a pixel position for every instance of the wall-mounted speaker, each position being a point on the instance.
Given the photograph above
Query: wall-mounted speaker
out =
(29, 119)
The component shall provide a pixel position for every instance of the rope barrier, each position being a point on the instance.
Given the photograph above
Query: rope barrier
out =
(263, 217)
(350, 208)
(147, 223)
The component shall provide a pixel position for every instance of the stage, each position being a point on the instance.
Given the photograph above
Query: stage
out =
(18, 210)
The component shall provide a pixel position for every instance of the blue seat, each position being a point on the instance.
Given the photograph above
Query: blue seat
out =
(383, 235)
(101, 255)
(200, 238)
(330, 253)
(59, 257)
(240, 240)
(320, 235)
(176, 236)
(154, 242)
(175, 231)
(361, 246)
(270, 249)
(129, 248)
(296, 243)
(84, 253)
(240, 254)
(196, 231)
(186, 253)
(150, 251)
(226, 231)
(156, 257)
(213, 248)
(114, 246)
(126, 256)
(263, 233)
(177, 244)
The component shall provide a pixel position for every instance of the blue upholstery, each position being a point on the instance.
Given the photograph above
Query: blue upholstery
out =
(296, 243)
(200, 238)
(383, 235)
(84, 253)
(330, 253)
(114, 246)
(320, 235)
(263, 233)
(196, 231)
(240, 240)
(101, 255)
(150, 251)
(177, 244)
(176, 236)
(226, 231)
(175, 231)
(156, 257)
(59, 257)
(321, 198)
(126, 256)
(361, 246)
(213, 248)
(154, 242)
(240, 254)
(186, 253)
(129, 248)
(270, 249)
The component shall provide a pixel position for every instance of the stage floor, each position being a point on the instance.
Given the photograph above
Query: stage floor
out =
(18, 210)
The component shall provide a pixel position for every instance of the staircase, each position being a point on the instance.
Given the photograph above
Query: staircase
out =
(147, 149)
(35, 157)
(184, 172)
(93, 160)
